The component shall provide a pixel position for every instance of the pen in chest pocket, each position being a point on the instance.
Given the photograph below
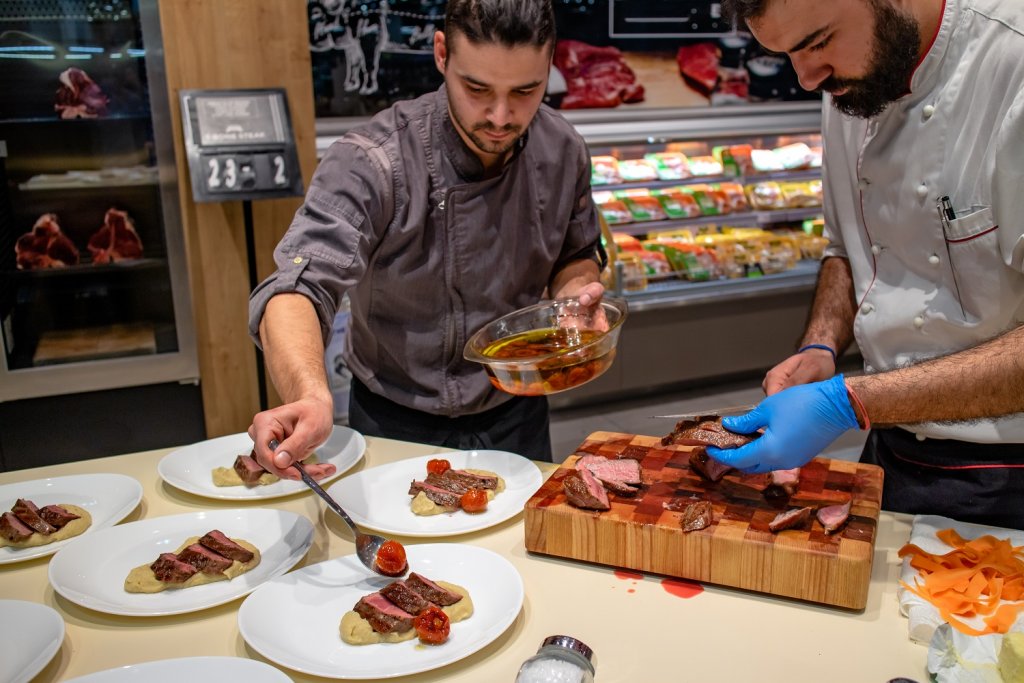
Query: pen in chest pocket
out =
(947, 214)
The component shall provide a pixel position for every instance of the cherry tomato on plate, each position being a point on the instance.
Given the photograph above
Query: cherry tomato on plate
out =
(438, 466)
(391, 558)
(432, 626)
(474, 500)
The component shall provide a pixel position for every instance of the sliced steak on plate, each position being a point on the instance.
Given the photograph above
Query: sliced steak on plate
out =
(476, 481)
(438, 495)
(405, 597)
(56, 516)
(219, 543)
(249, 471)
(440, 481)
(204, 559)
(383, 615)
(431, 591)
(13, 529)
(169, 569)
(27, 512)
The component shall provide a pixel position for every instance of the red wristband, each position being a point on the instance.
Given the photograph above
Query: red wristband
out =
(860, 404)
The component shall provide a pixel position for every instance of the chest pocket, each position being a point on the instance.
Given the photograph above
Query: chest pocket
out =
(981, 274)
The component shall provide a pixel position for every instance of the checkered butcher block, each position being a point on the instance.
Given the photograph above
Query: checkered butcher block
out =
(737, 549)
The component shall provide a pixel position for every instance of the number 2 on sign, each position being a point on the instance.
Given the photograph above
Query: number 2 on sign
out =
(279, 177)
(213, 181)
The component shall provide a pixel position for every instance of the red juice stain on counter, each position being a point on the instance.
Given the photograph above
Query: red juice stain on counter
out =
(681, 588)
(627, 575)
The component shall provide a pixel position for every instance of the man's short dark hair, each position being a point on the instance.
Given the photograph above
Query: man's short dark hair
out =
(744, 10)
(511, 23)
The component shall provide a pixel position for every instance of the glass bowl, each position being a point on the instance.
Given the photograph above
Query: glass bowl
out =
(548, 347)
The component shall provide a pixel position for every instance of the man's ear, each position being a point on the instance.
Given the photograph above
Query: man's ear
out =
(440, 50)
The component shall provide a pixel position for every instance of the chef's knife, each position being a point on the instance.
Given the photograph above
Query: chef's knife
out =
(719, 412)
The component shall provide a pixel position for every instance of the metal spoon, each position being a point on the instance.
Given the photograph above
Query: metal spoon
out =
(367, 545)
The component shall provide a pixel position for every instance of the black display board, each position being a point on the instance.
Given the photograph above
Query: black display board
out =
(240, 145)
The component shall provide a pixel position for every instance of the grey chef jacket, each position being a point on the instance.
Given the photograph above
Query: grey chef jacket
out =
(398, 215)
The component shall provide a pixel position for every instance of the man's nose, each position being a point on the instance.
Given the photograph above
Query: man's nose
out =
(811, 72)
(500, 113)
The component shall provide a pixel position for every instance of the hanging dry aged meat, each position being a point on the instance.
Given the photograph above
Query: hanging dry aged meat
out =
(78, 97)
(116, 240)
(45, 246)
(596, 76)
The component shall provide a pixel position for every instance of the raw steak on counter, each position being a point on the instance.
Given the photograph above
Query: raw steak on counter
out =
(45, 246)
(698, 65)
(597, 77)
(116, 240)
(78, 97)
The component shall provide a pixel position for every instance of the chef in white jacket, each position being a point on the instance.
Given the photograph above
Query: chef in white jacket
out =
(923, 130)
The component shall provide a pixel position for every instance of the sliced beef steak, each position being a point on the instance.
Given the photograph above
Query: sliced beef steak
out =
(169, 569)
(476, 481)
(782, 483)
(706, 431)
(706, 466)
(619, 476)
(204, 559)
(790, 519)
(445, 483)
(249, 471)
(584, 491)
(221, 544)
(405, 597)
(696, 516)
(27, 512)
(431, 591)
(13, 529)
(383, 616)
(834, 516)
(440, 496)
(56, 516)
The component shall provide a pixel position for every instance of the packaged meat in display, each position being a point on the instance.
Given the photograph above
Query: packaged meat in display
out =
(795, 156)
(802, 194)
(712, 202)
(116, 240)
(698, 65)
(706, 166)
(669, 165)
(614, 210)
(677, 204)
(765, 161)
(655, 263)
(645, 208)
(624, 242)
(736, 199)
(766, 196)
(597, 77)
(687, 260)
(78, 97)
(634, 272)
(635, 170)
(604, 170)
(735, 159)
(45, 246)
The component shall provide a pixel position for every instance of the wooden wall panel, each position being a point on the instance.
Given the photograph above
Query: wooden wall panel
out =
(234, 44)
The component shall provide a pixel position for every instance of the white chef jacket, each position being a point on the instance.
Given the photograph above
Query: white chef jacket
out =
(924, 289)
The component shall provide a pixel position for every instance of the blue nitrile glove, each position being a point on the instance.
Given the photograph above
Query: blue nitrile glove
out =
(799, 422)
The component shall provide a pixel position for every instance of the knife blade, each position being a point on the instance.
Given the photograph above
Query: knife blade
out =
(718, 412)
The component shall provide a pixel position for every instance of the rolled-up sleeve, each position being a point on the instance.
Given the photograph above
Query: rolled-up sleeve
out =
(326, 248)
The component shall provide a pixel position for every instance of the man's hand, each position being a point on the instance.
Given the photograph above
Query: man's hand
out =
(299, 427)
(799, 422)
(812, 365)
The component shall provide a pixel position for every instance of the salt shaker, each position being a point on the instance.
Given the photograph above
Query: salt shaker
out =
(560, 659)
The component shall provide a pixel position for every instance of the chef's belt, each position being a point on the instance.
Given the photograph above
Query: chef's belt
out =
(971, 482)
(519, 425)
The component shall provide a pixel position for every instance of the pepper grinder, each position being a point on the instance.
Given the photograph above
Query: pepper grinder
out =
(560, 659)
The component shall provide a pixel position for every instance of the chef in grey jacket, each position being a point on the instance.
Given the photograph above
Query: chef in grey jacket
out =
(923, 130)
(438, 216)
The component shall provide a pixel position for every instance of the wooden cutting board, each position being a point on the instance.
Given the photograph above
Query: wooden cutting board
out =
(737, 549)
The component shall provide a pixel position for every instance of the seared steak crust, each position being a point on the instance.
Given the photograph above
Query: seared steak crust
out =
(696, 516)
(405, 597)
(221, 544)
(706, 431)
(438, 495)
(584, 491)
(383, 616)
(27, 512)
(13, 529)
(706, 466)
(56, 516)
(169, 569)
(431, 591)
(204, 559)
(249, 471)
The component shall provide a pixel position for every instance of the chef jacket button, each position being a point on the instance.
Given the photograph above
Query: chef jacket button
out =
(297, 259)
(921, 437)
(875, 249)
(922, 190)
(919, 321)
(928, 111)
(863, 183)
(866, 308)
(933, 259)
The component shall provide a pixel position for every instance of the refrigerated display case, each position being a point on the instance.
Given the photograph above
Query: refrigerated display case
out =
(93, 279)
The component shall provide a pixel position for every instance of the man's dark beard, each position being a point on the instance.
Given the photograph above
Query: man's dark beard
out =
(483, 145)
(893, 60)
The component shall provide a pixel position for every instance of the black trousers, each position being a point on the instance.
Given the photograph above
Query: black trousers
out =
(971, 482)
(519, 425)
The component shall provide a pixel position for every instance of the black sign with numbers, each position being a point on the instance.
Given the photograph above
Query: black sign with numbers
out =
(240, 145)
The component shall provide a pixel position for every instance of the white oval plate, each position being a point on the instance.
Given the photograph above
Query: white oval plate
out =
(378, 498)
(294, 620)
(108, 498)
(91, 573)
(225, 669)
(30, 634)
(190, 468)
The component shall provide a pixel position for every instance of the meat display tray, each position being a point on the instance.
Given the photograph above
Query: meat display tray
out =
(738, 549)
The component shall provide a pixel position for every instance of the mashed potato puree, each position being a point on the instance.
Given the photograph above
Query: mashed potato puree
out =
(143, 580)
(421, 505)
(357, 631)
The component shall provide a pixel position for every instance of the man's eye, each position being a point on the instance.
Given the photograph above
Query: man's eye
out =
(474, 89)
(524, 93)
(821, 46)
